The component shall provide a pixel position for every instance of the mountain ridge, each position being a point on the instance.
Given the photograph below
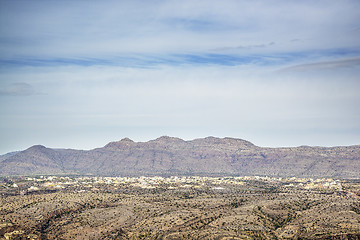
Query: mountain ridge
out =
(171, 156)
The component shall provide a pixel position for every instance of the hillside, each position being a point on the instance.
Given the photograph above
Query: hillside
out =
(174, 156)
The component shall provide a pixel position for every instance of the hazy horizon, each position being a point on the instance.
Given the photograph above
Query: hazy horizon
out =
(78, 75)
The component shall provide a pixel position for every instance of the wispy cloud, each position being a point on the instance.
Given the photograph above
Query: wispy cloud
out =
(326, 65)
(196, 58)
(247, 69)
(196, 25)
(245, 47)
(77, 30)
(18, 89)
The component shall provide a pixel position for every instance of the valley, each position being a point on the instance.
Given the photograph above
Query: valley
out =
(179, 207)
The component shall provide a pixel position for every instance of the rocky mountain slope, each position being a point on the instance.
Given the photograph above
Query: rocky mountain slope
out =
(174, 156)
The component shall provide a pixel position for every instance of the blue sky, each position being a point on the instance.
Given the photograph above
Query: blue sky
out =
(76, 74)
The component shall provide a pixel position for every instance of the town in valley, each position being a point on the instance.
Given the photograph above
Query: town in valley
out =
(178, 207)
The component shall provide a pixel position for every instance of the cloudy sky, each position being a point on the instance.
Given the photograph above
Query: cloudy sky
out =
(78, 74)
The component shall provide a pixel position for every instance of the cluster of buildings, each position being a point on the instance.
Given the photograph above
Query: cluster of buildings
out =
(173, 182)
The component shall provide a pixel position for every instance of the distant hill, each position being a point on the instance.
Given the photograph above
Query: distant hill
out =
(5, 156)
(174, 156)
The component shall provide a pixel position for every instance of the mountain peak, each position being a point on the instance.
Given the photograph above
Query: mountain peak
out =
(128, 140)
(37, 148)
(237, 140)
(224, 141)
(170, 155)
(168, 139)
(125, 142)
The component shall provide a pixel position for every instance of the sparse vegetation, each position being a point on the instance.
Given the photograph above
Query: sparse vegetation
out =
(178, 208)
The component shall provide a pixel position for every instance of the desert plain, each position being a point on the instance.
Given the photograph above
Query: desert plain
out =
(179, 207)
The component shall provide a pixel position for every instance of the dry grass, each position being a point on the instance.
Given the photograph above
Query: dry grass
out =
(190, 213)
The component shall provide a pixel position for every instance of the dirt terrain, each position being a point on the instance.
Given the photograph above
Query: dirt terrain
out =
(208, 208)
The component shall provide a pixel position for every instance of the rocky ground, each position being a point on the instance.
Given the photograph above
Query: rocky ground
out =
(253, 210)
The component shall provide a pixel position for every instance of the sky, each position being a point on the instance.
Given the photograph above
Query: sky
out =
(79, 74)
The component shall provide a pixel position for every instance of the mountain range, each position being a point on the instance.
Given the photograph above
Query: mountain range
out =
(174, 156)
